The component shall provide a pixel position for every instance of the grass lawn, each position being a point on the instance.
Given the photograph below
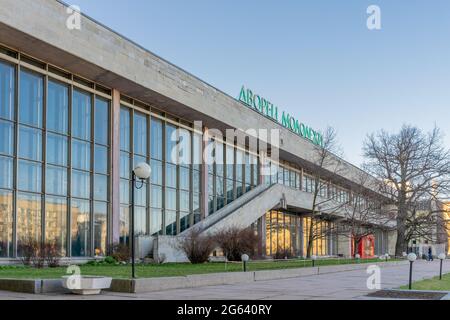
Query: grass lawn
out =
(433, 284)
(168, 270)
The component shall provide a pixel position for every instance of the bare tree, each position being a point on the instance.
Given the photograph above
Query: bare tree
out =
(324, 159)
(415, 168)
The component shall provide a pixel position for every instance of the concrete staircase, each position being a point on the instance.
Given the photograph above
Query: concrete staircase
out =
(242, 212)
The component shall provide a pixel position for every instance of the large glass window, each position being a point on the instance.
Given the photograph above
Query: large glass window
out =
(100, 228)
(30, 176)
(81, 115)
(7, 91)
(80, 230)
(28, 226)
(101, 159)
(140, 133)
(124, 129)
(57, 107)
(31, 98)
(6, 172)
(43, 133)
(80, 184)
(56, 223)
(30, 143)
(56, 180)
(6, 223)
(57, 150)
(101, 121)
(6, 137)
(81, 155)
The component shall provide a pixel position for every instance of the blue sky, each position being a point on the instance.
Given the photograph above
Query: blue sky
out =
(315, 59)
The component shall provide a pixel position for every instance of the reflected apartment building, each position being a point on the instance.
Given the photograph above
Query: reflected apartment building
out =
(79, 108)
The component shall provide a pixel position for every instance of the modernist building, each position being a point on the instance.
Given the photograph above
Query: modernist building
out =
(80, 107)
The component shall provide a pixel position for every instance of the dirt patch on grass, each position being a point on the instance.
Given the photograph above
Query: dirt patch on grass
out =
(398, 294)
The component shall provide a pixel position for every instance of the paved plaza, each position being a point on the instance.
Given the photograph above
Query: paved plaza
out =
(341, 285)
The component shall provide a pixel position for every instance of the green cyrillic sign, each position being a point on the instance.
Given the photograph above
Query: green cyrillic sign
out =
(268, 109)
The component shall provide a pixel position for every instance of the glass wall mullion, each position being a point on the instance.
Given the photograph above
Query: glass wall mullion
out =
(163, 187)
(16, 161)
(92, 178)
(44, 160)
(130, 180)
(69, 176)
(149, 185)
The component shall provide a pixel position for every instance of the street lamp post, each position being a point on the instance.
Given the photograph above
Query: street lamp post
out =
(411, 258)
(245, 259)
(142, 172)
(441, 258)
(314, 258)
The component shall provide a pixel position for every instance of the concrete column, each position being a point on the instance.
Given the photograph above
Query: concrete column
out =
(115, 169)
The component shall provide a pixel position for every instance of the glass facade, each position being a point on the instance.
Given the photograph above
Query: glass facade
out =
(232, 171)
(170, 202)
(54, 159)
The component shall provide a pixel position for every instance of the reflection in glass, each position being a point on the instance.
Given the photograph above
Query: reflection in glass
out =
(124, 224)
(171, 225)
(124, 191)
(31, 98)
(184, 147)
(81, 115)
(156, 196)
(184, 178)
(100, 228)
(30, 143)
(197, 156)
(6, 137)
(57, 107)
(184, 201)
(6, 172)
(125, 165)
(140, 133)
(124, 129)
(80, 228)
(156, 139)
(57, 149)
(56, 180)
(101, 121)
(196, 177)
(28, 220)
(140, 221)
(101, 187)
(184, 221)
(157, 174)
(30, 176)
(171, 175)
(7, 91)
(156, 221)
(171, 144)
(80, 184)
(171, 199)
(101, 159)
(6, 223)
(81, 156)
(56, 223)
(141, 195)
